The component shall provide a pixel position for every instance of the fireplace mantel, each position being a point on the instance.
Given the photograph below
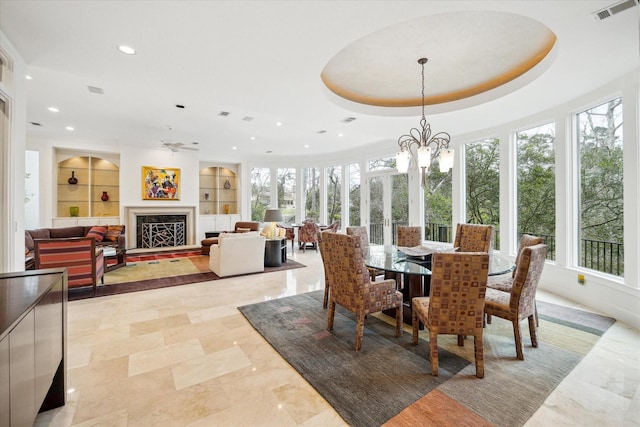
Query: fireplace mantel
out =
(131, 212)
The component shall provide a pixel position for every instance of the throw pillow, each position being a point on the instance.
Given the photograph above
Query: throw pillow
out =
(97, 233)
(113, 231)
(243, 230)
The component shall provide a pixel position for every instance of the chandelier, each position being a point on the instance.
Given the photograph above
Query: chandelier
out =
(424, 148)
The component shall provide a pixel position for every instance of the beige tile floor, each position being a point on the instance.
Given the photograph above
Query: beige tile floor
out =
(185, 356)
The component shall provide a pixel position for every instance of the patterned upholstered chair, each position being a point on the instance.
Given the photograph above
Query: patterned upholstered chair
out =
(347, 276)
(289, 233)
(520, 303)
(455, 304)
(504, 282)
(409, 236)
(308, 235)
(474, 238)
(361, 232)
(334, 227)
(84, 263)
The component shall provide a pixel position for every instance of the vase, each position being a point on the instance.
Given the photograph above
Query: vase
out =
(74, 211)
(105, 196)
(73, 180)
(226, 209)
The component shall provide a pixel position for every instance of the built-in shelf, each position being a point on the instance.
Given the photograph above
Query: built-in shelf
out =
(94, 176)
(218, 191)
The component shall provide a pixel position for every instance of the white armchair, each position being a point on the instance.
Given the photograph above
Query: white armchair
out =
(237, 253)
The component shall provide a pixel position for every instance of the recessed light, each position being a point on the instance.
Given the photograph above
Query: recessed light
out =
(234, 148)
(340, 134)
(28, 77)
(306, 145)
(253, 138)
(53, 109)
(279, 124)
(70, 128)
(127, 50)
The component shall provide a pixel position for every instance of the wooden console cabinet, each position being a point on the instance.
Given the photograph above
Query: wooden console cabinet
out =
(33, 317)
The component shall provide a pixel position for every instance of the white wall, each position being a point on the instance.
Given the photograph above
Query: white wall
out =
(12, 163)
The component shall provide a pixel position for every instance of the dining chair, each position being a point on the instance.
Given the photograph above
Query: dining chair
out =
(474, 238)
(350, 285)
(361, 232)
(504, 282)
(520, 302)
(334, 227)
(409, 236)
(455, 303)
(308, 234)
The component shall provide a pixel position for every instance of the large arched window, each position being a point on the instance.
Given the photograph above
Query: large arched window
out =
(601, 231)
(536, 200)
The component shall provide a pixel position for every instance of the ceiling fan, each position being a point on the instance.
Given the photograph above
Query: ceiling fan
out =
(176, 146)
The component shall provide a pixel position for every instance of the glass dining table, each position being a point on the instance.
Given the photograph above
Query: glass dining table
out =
(416, 270)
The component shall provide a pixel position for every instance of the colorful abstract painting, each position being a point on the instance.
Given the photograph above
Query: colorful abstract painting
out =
(160, 183)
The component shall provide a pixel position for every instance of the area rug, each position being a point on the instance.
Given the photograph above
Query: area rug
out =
(160, 273)
(389, 380)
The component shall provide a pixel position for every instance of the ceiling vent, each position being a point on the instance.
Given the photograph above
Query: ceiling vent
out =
(321, 131)
(348, 120)
(97, 90)
(223, 113)
(614, 8)
(247, 118)
(35, 123)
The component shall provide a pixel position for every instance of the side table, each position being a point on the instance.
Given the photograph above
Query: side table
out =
(273, 252)
(113, 253)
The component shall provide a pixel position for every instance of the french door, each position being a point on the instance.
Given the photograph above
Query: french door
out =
(388, 206)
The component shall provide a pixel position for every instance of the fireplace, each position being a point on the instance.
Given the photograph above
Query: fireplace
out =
(154, 227)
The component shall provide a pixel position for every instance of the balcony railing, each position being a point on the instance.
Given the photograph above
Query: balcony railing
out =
(607, 257)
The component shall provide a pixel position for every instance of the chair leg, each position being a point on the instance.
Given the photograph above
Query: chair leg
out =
(518, 338)
(433, 352)
(399, 321)
(533, 331)
(359, 330)
(461, 340)
(535, 307)
(488, 319)
(330, 313)
(415, 322)
(479, 354)
(326, 296)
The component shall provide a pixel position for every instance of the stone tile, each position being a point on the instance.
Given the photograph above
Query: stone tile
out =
(169, 355)
(212, 365)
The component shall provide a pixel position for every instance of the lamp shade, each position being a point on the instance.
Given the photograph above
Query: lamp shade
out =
(446, 160)
(402, 161)
(273, 215)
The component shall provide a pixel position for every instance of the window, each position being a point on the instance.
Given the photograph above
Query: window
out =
(287, 194)
(536, 184)
(260, 193)
(382, 164)
(311, 186)
(438, 206)
(353, 171)
(600, 145)
(482, 167)
(334, 191)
